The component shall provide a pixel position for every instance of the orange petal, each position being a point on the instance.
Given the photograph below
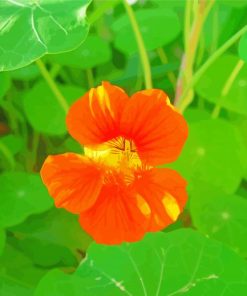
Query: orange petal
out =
(95, 117)
(158, 130)
(74, 181)
(114, 218)
(164, 191)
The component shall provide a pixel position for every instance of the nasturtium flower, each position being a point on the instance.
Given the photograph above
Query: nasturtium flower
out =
(115, 187)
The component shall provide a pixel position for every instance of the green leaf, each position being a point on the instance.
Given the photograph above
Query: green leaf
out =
(2, 240)
(18, 275)
(158, 27)
(31, 29)
(21, 195)
(242, 47)
(26, 73)
(178, 262)
(94, 51)
(54, 238)
(5, 83)
(213, 153)
(212, 82)
(220, 216)
(12, 142)
(44, 112)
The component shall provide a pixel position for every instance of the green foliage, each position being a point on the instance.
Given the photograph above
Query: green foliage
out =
(51, 239)
(93, 52)
(44, 112)
(182, 261)
(220, 216)
(47, 61)
(47, 27)
(152, 24)
(242, 48)
(212, 83)
(213, 153)
(21, 195)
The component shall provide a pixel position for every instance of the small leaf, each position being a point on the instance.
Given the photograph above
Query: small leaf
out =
(12, 142)
(174, 263)
(44, 112)
(94, 51)
(31, 29)
(158, 27)
(213, 153)
(212, 82)
(21, 195)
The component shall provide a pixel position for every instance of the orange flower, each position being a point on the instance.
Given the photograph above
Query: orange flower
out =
(115, 187)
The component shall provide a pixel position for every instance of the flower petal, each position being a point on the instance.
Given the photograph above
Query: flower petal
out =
(74, 181)
(95, 117)
(115, 217)
(158, 130)
(164, 192)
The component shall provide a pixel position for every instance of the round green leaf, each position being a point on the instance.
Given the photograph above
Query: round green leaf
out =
(30, 29)
(158, 27)
(94, 51)
(242, 47)
(211, 84)
(220, 216)
(21, 195)
(178, 262)
(213, 153)
(13, 143)
(44, 112)
(54, 238)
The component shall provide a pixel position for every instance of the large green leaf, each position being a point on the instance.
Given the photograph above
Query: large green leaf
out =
(179, 262)
(21, 194)
(94, 51)
(158, 27)
(211, 84)
(30, 29)
(44, 112)
(242, 47)
(54, 238)
(18, 275)
(213, 153)
(26, 73)
(220, 216)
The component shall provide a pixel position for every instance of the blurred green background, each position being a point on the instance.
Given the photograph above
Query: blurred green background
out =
(51, 53)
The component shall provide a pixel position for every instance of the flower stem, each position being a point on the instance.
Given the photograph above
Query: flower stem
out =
(58, 95)
(184, 102)
(227, 87)
(141, 46)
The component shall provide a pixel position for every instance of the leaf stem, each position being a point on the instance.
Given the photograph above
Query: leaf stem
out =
(185, 102)
(58, 95)
(141, 46)
(227, 87)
